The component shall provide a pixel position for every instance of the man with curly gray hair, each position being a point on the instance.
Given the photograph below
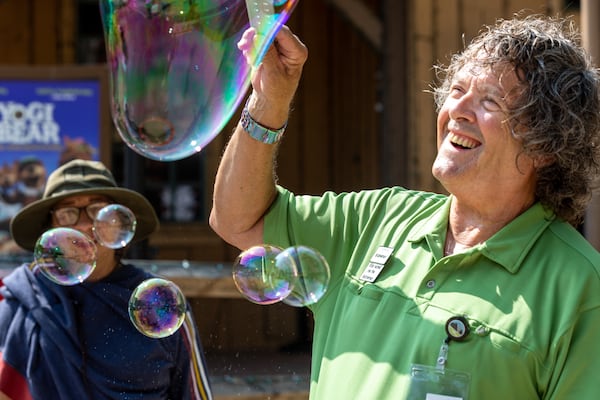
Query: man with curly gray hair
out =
(554, 112)
(489, 292)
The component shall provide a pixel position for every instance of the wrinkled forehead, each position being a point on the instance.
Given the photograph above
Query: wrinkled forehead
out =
(500, 78)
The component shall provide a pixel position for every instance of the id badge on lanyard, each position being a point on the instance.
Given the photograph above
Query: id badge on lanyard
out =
(437, 382)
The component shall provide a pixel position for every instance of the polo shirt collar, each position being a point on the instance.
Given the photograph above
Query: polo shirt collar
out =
(508, 247)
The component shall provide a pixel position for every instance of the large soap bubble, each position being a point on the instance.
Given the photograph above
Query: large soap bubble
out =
(65, 256)
(176, 73)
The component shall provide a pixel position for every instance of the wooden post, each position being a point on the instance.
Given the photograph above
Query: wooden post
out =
(590, 15)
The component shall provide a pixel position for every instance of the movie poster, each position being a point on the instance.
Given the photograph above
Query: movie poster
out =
(43, 124)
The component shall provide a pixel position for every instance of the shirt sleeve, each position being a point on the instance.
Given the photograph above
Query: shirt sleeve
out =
(13, 385)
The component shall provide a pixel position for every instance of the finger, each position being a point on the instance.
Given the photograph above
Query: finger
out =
(246, 42)
(290, 47)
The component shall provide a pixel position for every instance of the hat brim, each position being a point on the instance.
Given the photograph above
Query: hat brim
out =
(33, 220)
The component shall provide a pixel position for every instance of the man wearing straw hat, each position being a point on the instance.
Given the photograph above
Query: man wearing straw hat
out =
(74, 342)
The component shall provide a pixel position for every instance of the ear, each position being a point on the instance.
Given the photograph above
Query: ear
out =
(543, 161)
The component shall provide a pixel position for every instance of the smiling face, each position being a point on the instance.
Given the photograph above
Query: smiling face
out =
(478, 159)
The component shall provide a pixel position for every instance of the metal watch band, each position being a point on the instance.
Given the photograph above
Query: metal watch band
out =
(259, 132)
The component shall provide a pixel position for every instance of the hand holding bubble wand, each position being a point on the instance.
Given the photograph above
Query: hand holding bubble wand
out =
(263, 19)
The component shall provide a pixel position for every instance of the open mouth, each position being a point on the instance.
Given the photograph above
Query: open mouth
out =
(462, 142)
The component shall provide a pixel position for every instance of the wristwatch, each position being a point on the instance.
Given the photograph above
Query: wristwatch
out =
(258, 131)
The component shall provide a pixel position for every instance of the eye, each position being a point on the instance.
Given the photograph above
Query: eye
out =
(94, 208)
(456, 90)
(67, 215)
(492, 104)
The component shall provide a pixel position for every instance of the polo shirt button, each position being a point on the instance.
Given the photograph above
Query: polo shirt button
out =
(482, 330)
(430, 283)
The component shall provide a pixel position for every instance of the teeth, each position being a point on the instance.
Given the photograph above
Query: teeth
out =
(463, 141)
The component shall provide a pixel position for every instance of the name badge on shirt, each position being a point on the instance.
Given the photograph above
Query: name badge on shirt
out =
(376, 264)
(433, 383)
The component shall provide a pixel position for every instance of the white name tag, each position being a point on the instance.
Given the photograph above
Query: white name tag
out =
(382, 255)
(376, 264)
(371, 272)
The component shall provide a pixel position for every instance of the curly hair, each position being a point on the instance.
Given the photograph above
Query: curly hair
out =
(555, 112)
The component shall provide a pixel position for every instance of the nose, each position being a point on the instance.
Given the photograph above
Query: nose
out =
(85, 224)
(462, 107)
(84, 219)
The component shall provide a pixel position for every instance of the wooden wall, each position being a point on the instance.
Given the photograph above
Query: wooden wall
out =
(37, 32)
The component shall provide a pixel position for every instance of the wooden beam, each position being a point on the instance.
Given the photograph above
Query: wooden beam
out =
(395, 155)
(590, 15)
(363, 19)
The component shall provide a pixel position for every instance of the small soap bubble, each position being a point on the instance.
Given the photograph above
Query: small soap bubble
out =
(65, 256)
(312, 278)
(157, 308)
(259, 278)
(114, 226)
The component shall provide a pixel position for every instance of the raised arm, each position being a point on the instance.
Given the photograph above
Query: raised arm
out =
(245, 182)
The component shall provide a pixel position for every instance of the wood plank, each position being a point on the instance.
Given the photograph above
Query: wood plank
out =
(531, 7)
(15, 31)
(291, 152)
(369, 119)
(353, 88)
(396, 102)
(188, 242)
(363, 19)
(195, 279)
(67, 31)
(342, 115)
(44, 26)
(423, 139)
(311, 116)
(473, 14)
(449, 32)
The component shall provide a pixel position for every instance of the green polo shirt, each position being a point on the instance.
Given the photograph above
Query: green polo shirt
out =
(531, 296)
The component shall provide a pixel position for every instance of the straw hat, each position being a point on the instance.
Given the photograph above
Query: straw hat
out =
(79, 177)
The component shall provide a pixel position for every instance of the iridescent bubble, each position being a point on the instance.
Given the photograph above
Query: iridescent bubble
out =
(176, 73)
(114, 226)
(259, 278)
(313, 275)
(157, 308)
(65, 255)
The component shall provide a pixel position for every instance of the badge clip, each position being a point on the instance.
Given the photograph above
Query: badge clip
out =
(457, 328)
